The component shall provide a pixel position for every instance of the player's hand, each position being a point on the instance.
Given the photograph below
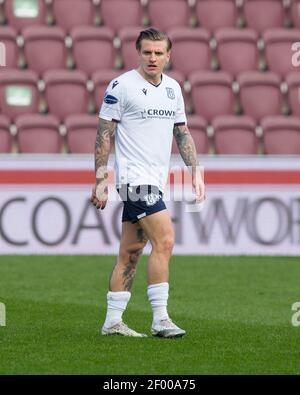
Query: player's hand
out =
(199, 187)
(100, 195)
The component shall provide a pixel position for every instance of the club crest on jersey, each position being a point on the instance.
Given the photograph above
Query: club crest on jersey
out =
(110, 99)
(151, 199)
(170, 93)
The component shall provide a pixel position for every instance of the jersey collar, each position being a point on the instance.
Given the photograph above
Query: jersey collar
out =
(144, 79)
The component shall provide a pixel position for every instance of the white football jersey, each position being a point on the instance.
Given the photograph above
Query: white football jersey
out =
(146, 115)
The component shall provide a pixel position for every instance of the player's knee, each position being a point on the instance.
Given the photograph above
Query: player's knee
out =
(166, 243)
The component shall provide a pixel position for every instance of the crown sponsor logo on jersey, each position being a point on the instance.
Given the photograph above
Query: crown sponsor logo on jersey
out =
(110, 99)
(144, 91)
(156, 113)
(115, 84)
(170, 93)
(151, 199)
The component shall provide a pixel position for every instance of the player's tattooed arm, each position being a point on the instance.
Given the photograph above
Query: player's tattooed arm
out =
(188, 153)
(105, 132)
(186, 146)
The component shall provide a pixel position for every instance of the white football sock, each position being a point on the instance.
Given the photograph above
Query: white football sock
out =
(158, 297)
(116, 305)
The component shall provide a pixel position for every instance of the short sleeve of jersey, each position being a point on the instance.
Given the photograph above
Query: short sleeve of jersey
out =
(180, 118)
(113, 102)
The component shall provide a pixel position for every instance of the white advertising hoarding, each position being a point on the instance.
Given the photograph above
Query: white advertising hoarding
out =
(252, 207)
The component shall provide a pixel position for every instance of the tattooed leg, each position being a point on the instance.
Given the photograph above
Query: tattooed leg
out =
(133, 240)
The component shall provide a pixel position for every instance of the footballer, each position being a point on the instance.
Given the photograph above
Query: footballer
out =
(143, 108)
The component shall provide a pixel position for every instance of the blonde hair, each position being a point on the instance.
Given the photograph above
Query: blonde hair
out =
(152, 35)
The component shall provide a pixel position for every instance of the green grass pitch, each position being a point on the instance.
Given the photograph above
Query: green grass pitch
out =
(236, 311)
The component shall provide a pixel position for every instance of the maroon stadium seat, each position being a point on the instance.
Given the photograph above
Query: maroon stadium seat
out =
(66, 92)
(197, 127)
(2, 13)
(92, 48)
(20, 14)
(38, 134)
(72, 13)
(176, 75)
(278, 53)
(81, 133)
(191, 51)
(264, 14)
(215, 14)
(8, 37)
(18, 92)
(260, 94)
(235, 135)
(281, 135)
(293, 81)
(5, 135)
(167, 14)
(118, 14)
(237, 50)
(44, 48)
(295, 13)
(212, 93)
(101, 79)
(128, 37)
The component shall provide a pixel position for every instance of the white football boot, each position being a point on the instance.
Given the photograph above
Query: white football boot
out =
(121, 329)
(167, 328)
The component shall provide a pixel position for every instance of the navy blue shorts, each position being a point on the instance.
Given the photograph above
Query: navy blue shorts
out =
(140, 201)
